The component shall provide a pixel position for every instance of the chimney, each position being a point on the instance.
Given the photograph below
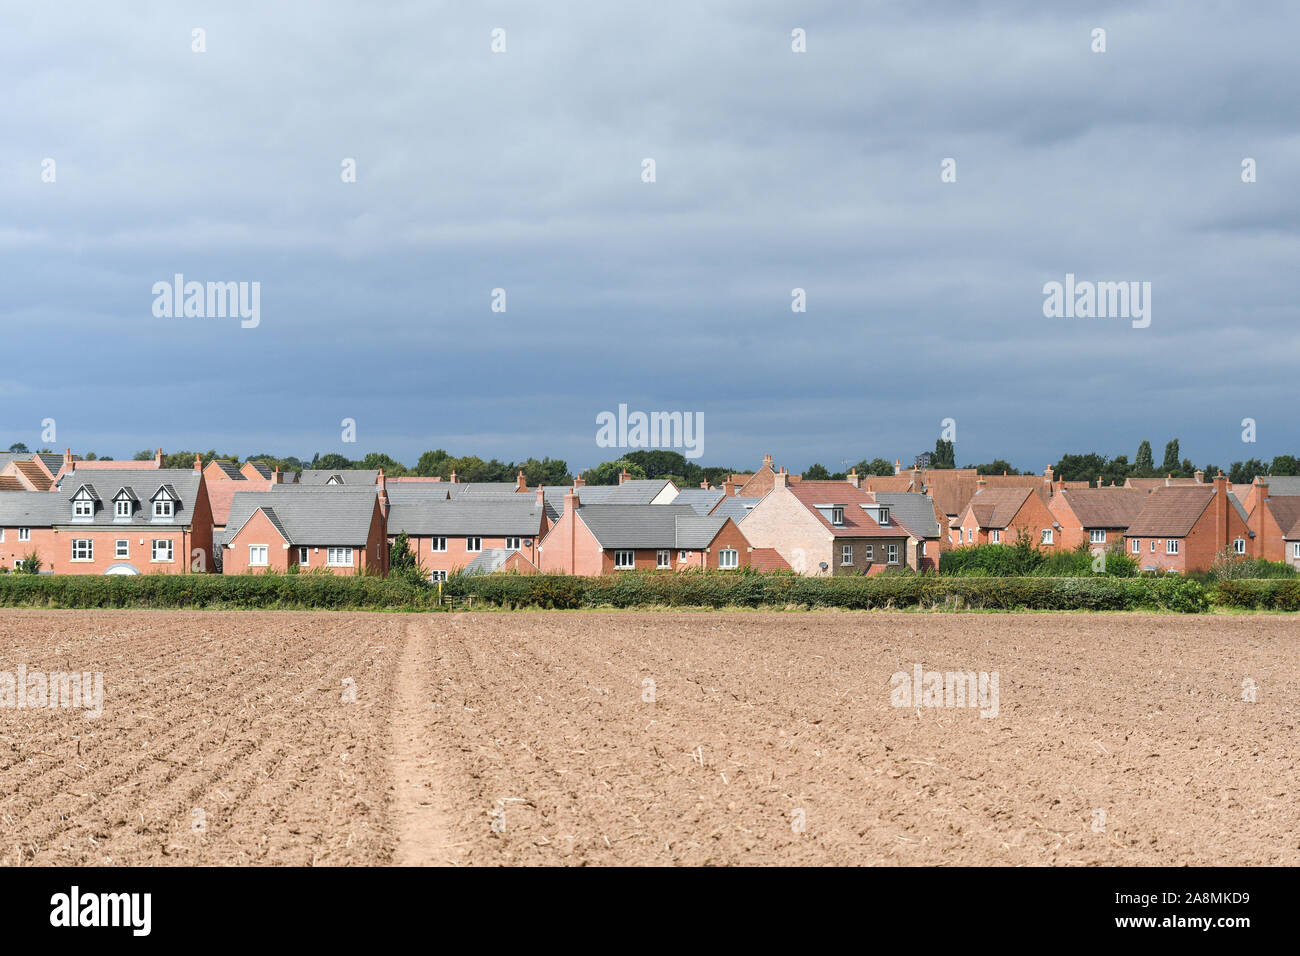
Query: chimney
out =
(1261, 496)
(382, 482)
(276, 477)
(623, 475)
(1099, 481)
(1220, 512)
(854, 480)
(781, 479)
(1200, 477)
(198, 463)
(729, 488)
(571, 502)
(541, 497)
(767, 461)
(578, 482)
(67, 458)
(1047, 474)
(704, 485)
(157, 459)
(979, 484)
(898, 468)
(521, 483)
(454, 479)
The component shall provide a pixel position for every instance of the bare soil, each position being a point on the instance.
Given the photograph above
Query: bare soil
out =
(651, 738)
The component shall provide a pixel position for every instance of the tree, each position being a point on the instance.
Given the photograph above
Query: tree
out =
(607, 472)
(18, 448)
(1171, 465)
(1244, 472)
(1144, 466)
(376, 461)
(996, 467)
(816, 472)
(945, 455)
(1087, 467)
(332, 462)
(431, 464)
(29, 565)
(402, 562)
(1117, 470)
(1284, 465)
(549, 472)
(877, 466)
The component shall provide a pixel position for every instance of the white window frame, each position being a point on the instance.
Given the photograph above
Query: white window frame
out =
(436, 576)
(1153, 545)
(728, 559)
(24, 534)
(1238, 545)
(518, 543)
(2, 535)
(87, 552)
(122, 549)
(1171, 546)
(474, 543)
(995, 536)
(837, 517)
(1048, 536)
(1295, 550)
(171, 551)
(869, 552)
(164, 509)
(683, 555)
(664, 559)
(1137, 546)
(304, 557)
(122, 509)
(624, 560)
(846, 555)
(883, 520)
(83, 508)
(892, 554)
(332, 556)
(1097, 536)
(438, 544)
(253, 555)
(970, 535)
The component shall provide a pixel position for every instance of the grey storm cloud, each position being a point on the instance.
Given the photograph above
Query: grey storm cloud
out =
(775, 170)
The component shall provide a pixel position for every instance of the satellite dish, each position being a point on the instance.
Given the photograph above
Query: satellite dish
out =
(822, 565)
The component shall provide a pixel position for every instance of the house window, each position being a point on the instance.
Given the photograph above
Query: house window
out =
(837, 516)
(122, 549)
(624, 559)
(1047, 536)
(893, 554)
(728, 558)
(970, 535)
(304, 557)
(339, 557)
(869, 552)
(83, 508)
(122, 509)
(664, 559)
(437, 544)
(1137, 545)
(258, 555)
(1153, 547)
(164, 508)
(682, 555)
(83, 549)
(512, 544)
(437, 575)
(920, 547)
(24, 534)
(846, 554)
(883, 520)
(2, 535)
(1239, 546)
(1097, 536)
(473, 544)
(162, 549)
(1295, 550)
(995, 536)
(1171, 546)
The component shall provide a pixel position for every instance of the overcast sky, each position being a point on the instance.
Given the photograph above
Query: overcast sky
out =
(774, 170)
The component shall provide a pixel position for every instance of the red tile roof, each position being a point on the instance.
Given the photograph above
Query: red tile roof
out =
(1105, 507)
(857, 523)
(995, 507)
(1171, 512)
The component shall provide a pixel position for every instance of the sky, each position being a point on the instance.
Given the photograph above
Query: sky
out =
(774, 170)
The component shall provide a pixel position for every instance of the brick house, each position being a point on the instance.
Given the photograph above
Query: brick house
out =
(1099, 516)
(449, 533)
(829, 528)
(1274, 521)
(1005, 515)
(119, 521)
(591, 539)
(340, 530)
(1183, 528)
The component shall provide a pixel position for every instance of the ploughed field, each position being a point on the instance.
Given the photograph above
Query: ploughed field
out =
(662, 738)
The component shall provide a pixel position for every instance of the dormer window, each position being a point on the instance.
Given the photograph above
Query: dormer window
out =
(837, 515)
(164, 508)
(882, 517)
(83, 508)
(122, 509)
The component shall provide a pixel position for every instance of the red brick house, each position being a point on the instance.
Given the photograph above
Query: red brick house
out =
(119, 521)
(1098, 516)
(1004, 516)
(1183, 528)
(829, 528)
(1274, 521)
(591, 539)
(341, 530)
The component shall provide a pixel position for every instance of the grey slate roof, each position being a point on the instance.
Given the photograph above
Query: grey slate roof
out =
(319, 518)
(702, 500)
(646, 526)
(697, 532)
(52, 461)
(7, 456)
(515, 515)
(262, 468)
(1282, 485)
(348, 476)
(735, 507)
(232, 470)
(913, 509)
(141, 486)
(488, 561)
(31, 509)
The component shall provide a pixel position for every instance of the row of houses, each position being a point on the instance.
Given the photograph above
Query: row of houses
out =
(104, 517)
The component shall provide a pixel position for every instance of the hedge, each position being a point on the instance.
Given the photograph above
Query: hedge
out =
(286, 591)
(722, 589)
(1265, 594)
